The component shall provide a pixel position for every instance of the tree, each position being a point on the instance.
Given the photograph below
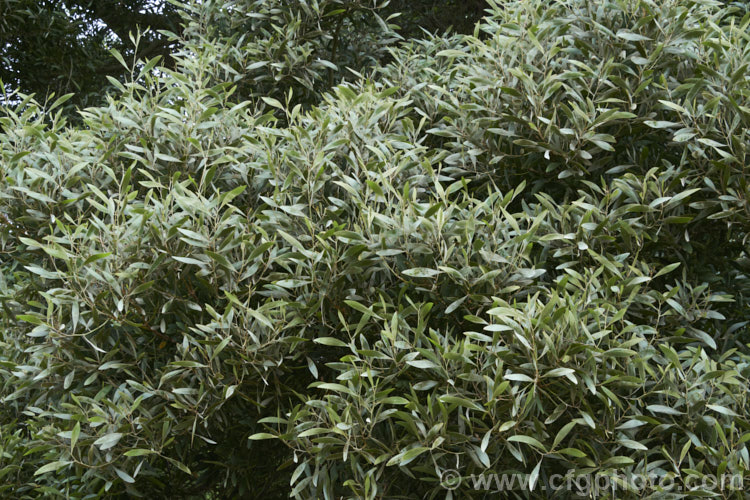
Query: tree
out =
(416, 16)
(64, 46)
(58, 47)
(515, 250)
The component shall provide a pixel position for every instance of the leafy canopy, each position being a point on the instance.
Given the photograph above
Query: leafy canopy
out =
(517, 250)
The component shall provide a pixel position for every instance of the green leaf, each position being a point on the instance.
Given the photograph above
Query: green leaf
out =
(518, 377)
(559, 372)
(60, 101)
(359, 307)
(29, 319)
(261, 435)
(333, 387)
(534, 476)
(661, 124)
(138, 452)
(421, 272)
(619, 460)
(528, 440)
(573, 452)
(143, 287)
(124, 476)
(74, 434)
(189, 260)
(450, 53)
(667, 269)
(108, 440)
(632, 37)
(394, 400)
(423, 364)
(52, 467)
(272, 102)
(461, 402)
(711, 142)
(633, 445)
(188, 364)
(405, 457)
(375, 188)
(673, 106)
(330, 341)
(118, 56)
(42, 272)
(562, 433)
(723, 410)
(663, 409)
(260, 249)
(227, 198)
(312, 432)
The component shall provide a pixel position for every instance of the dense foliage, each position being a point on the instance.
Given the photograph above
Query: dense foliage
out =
(56, 47)
(62, 46)
(522, 249)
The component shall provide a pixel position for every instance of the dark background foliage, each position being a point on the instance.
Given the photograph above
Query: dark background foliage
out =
(63, 46)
